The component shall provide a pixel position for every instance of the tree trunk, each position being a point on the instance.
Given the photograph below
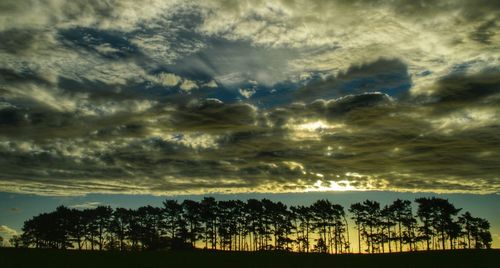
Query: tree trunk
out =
(443, 241)
(389, 237)
(468, 239)
(400, 237)
(359, 239)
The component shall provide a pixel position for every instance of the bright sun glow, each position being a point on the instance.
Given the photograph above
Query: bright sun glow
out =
(338, 186)
(311, 130)
(314, 126)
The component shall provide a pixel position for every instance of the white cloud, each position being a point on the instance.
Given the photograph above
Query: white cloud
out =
(466, 119)
(334, 35)
(194, 140)
(211, 84)
(7, 232)
(114, 14)
(247, 93)
(169, 80)
(188, 85)
(106, 49)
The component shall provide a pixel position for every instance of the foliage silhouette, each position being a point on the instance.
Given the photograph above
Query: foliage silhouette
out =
(256, 225)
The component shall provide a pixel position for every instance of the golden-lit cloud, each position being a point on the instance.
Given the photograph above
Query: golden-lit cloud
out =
(173, 97)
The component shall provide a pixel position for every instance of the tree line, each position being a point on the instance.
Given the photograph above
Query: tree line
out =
(254, 225)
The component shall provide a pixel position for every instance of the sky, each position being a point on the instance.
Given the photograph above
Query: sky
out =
(147, 99)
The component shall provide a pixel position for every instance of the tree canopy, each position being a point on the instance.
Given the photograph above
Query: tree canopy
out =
(259, 225)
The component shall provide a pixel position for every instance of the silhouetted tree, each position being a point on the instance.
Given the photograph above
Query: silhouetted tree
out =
(439, 213)
(102, 220)
(48, 230)
(92, 229)
(150, 226)
(175, 224)
(119, 226)
(208, 216)
(320, 246)
(303, 218)
(482, 235)
(257, 225)
(135, 229)
(403, 217)
(280, 222)
(226, 224)
(328, 219)
(372, 222)
(359, 216)
(454, 231)
(192, 215)
(476, 231)
(425, 213)
(254, 217)
(77, 227)
(387, 222)
(16, 241)
(410, 225)
(467, 222)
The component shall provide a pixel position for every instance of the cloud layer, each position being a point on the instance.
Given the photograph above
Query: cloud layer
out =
(169, 97)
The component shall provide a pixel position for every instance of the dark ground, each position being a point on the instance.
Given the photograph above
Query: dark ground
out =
(88, 259)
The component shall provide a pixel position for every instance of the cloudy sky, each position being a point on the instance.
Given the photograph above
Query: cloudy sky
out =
(197, 97)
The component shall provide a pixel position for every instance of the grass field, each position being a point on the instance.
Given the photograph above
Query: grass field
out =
(93, 259)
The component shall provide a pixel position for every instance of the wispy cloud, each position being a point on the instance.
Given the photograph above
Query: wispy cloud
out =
(86, 205)
(14, 210)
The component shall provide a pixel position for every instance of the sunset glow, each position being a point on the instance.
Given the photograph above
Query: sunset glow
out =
(149, 99)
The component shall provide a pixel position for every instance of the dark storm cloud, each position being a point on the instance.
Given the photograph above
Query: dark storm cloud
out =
(41, 122)
(484, 32)
(10, 116)
(9, 76)
(384, 75)
(350, 103)
(165, 97)
(18, 41)
(468, 88)
(212, 114)
(206, 153)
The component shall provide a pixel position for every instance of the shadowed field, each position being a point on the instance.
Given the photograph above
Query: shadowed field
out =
(95, 259)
